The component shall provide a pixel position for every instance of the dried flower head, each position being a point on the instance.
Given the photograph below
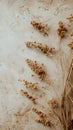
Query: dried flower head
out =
(39, 70)
(71, 44)
(40, 113)
(61, 29)
(45, 122)
(54, 104)
(30, 84)
(70, 17)
(43, 48)
(28, 96)
(44, 119)
(43, 28)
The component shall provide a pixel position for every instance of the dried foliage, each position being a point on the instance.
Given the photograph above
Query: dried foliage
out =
(28, 96)
(54, 104)
(61, 29)
(39, 70)
(67, 101)
(60, 115)
(45, 49)
(42, 28)
(70, 17)
(71, 44)
(43, 118)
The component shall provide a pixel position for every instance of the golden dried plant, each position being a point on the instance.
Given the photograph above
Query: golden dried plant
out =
(44, 48)
(67, 101)
(42, 28)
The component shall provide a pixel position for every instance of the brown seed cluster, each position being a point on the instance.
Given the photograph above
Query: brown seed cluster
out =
(30, 84)
(38, 69)
(43, 48)
(61, 29)
(28, 96)
(43, 118)
(70, 18)
(44, 122)
(71, 44)
(41, 114)
(43, 28)
(54, 104)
